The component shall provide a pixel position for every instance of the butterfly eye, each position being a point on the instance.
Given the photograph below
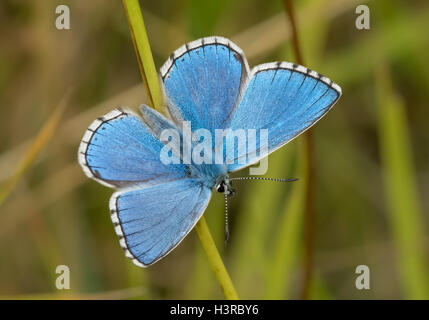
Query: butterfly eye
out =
(221, 188)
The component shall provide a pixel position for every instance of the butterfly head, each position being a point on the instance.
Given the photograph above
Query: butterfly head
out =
(224, 186)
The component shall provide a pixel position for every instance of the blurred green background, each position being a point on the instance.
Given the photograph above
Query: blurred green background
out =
(371, 152)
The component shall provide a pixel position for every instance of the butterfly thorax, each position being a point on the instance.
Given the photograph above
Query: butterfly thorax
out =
(211, 175)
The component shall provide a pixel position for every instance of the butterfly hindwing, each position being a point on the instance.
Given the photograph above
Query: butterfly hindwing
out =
(152, 221)
(284, 98)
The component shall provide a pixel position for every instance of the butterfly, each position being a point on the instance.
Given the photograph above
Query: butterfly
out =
(208, 84)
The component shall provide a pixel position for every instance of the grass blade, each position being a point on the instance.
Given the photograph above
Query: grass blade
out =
(42, 138)
(289, 232)
(215, 260)
(143, 52)
(405, 215)
(310, 216)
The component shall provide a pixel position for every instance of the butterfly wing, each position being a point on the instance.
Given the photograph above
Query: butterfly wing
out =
(120, 150)
(152, 221)
(203, 80)
(284, 98)
(157, 205)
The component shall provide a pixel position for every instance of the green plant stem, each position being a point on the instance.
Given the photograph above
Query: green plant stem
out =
(215, 259)
(143, 52)
(150, 77)
(309, 216)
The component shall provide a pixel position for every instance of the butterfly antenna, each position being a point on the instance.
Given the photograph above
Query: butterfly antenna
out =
(267, 179)
(226, 217)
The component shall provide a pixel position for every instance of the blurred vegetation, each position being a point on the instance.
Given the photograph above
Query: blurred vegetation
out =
(371, 151)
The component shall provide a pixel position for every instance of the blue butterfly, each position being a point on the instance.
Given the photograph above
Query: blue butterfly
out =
(208, 83)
